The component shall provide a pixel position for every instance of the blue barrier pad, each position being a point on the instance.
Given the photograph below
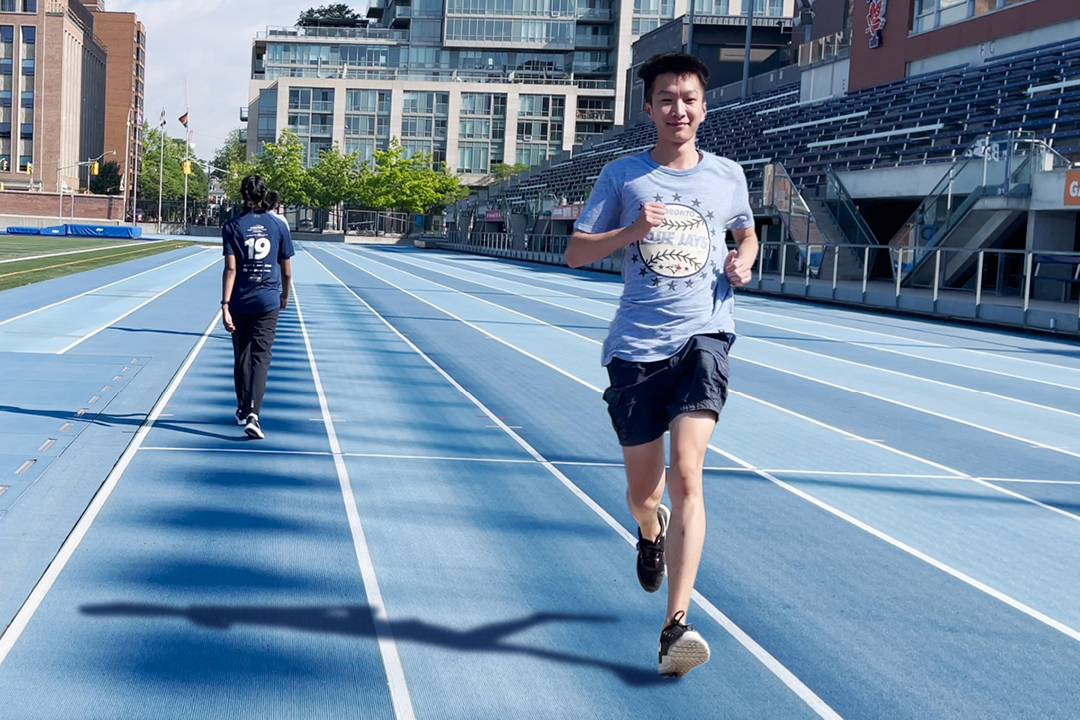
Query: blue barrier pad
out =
(107, 231)
(24, 231)
(55, 230)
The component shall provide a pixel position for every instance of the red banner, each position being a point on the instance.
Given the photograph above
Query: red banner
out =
(566, 212)
(493, 216)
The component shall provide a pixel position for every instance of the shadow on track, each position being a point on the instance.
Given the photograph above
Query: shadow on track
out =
(356, 620)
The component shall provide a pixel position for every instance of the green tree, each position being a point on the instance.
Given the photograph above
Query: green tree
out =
(502, 172)
(107, 181)
(232, 152)
(406, 184)
(282, 165)
(334, 180)
(171, 170)
(337, 11)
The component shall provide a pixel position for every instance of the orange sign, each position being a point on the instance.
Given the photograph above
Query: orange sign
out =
(1072, 187)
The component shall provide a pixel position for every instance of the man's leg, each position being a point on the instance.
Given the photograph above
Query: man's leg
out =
(241, 340)
(645, 484)
(690, 433)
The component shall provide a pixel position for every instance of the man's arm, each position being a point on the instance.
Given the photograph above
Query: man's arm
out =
(739, 265)
(584, 248)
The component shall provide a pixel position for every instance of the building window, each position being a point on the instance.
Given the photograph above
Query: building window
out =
(29, 34)
(7, 5)
(931, 14)
(29, 6)
(27, 99)
(28, 67)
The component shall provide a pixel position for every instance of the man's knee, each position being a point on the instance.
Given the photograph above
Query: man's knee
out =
(643, 501)
(685, 479)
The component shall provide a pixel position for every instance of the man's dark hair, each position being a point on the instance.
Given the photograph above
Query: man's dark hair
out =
(271, 201)
(253, 191)
(671, 62)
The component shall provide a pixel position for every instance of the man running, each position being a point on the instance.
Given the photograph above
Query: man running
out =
(254, 289)
(667, 349)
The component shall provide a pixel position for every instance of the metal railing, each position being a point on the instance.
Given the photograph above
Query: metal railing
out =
(999, 282)
(799, 224)
(991, 167)
(847, 215)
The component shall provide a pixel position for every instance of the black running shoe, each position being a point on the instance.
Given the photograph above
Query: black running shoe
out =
(251, 427)
(650, 554)
(681, 648)
(241, 417)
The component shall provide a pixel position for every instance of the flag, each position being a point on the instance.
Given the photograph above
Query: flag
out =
(183, 119)
(162, 123)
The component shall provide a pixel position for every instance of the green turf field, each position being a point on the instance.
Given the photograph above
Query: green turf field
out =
(21, 262)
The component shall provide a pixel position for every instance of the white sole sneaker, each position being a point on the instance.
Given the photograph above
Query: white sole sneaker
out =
(685, 654)
(252, 429)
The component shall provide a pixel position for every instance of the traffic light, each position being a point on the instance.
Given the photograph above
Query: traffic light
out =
(95, 168)
(187, 167)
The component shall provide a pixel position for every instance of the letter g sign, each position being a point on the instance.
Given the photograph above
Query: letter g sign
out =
(1072, 188)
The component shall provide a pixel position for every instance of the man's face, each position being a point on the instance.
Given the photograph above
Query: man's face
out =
(677, 107)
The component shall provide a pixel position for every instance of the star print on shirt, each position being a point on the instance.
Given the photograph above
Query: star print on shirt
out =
(658, 197)
(655, 282)
(635, 259)
(671, 285)
(696, 203)
(676, 197)
(689, 282)
(709, 215)
(643, 272)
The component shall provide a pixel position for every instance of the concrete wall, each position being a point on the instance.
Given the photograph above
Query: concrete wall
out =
(825, 81)
(916, 181)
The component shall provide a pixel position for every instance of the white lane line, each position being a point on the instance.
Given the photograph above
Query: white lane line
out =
(395, 674)
(107, 285)
(386, 456)
(84, 250)
(853, 436)
(908, 406)
(141, 305)
(41, 589)
(918, 378)
(789, 679)
(1024, 378)
(925, 343)
(1016, 604)
(582, 286)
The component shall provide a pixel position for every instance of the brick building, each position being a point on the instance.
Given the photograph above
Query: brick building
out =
(55, 75)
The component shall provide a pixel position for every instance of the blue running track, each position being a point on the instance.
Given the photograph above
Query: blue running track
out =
(435, 526)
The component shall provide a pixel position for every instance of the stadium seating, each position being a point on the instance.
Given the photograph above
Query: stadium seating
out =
(921, 119)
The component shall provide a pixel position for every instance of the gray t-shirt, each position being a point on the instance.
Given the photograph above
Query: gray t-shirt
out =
(674, 286)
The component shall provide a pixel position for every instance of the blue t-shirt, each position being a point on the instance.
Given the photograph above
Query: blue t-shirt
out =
(260, 242)
(674, 286)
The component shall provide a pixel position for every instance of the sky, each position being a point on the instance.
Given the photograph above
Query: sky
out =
(209, 42)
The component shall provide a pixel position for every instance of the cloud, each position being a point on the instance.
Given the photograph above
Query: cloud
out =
(209, 42)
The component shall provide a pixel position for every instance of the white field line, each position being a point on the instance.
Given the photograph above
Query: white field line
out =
(395, 674)
(894, 351)
(84, 250)
(803, 692)
(137, 307)
(107, 285)
(37, 595)
(1016, 604)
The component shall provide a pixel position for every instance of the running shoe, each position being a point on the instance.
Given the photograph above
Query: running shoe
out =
(650, 555)
(241, 417)
(251, 427)
(681, 648)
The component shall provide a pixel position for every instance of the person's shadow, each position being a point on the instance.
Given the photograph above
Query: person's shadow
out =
(357, 620)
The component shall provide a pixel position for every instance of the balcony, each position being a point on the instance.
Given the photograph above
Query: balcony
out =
(593, 68)
(596, 115)
(601, 14)
(344, 33)
(322, 131)
(593, 41)
(322, 106)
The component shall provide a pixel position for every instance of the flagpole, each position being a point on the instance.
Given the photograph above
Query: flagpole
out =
(127, 158)
(135, 183)
(161, 169)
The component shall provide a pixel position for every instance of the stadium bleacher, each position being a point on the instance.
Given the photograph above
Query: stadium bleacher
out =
(922, 119)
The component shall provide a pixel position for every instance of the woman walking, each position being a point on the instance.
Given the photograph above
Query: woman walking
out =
(254, 290)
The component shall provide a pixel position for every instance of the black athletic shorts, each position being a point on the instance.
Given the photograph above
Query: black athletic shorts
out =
(645, 397)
